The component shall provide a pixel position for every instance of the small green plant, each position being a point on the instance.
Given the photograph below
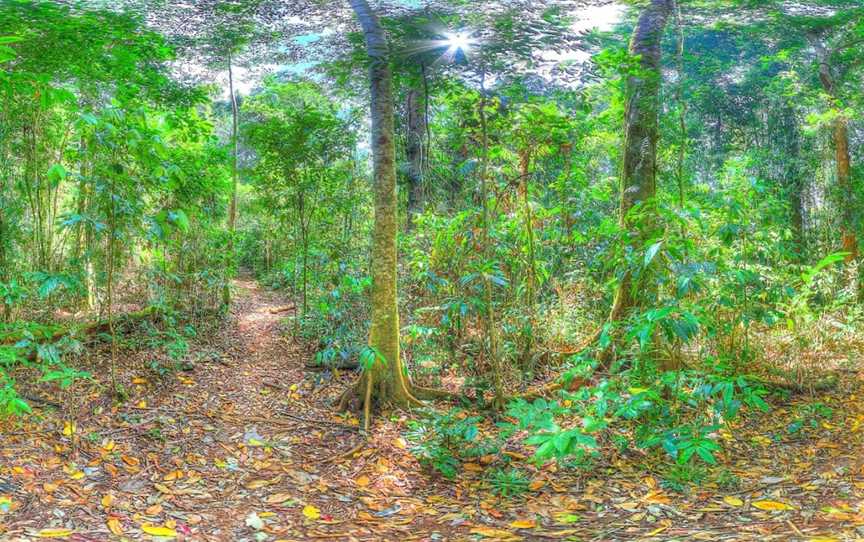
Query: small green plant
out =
(508, 483)
(441, 441)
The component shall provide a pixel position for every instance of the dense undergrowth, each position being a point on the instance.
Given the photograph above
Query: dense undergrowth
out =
(573, 303)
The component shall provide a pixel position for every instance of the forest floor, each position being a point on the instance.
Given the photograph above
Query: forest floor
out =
(247, 447)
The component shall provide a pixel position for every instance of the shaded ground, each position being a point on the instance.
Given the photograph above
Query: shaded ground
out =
(245, 446)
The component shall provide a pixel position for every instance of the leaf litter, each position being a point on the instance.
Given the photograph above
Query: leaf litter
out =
(248, 448)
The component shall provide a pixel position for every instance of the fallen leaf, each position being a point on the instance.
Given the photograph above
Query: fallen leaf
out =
(129, 460)
(173, 475)
(156, 530)
(523, 524)
(489, 532)
(362, 481)
(772, 506)
(733, 501)
(68, 429)
(253, 521)
(256, 484)
(107, 501)
(55, 533)
(278, 498)
(114, 526)
(311, 512)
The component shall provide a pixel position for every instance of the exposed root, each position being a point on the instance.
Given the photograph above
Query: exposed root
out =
(434, 394)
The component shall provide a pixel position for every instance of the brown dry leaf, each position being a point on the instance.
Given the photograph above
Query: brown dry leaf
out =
(154, 510)
(278, 498)
(536, 485)
(130, 460)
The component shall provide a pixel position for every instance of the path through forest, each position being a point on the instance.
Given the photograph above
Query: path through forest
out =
(245, 446)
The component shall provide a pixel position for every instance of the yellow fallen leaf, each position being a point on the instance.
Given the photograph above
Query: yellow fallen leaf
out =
(772, 506)
(114, 526)
(68, 429)
(76, 474)
(535, 485)
(156, 530)
(107, 501)
(173, 475)
(139, 380)
(733, 501)
(55, 533)
(362, 481)
(154, 510)
(489, 532)
(665, 524)
(162, 488)
(311, 512)
(823, 539)
(142, 404)
(400, 443)
(523, 524)
(130, 460)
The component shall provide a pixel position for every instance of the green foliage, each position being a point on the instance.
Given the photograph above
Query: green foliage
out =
(442, 440)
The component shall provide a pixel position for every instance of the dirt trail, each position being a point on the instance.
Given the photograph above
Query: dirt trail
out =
(245, 446)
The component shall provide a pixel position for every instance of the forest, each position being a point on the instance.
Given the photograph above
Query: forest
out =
(431, 270)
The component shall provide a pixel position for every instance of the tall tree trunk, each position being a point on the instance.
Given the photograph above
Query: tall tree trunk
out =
(416, 124)
(641, 132)
(232, 209)
(384, 378)
(846, 199)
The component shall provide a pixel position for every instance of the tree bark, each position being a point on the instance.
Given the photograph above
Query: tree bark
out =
(385, 379)
(848, 238)
(232, 209)
(641, 133)
(416, 121)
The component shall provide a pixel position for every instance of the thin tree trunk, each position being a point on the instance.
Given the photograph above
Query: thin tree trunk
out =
(491, 326)
(414, 151)
(232, 209)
